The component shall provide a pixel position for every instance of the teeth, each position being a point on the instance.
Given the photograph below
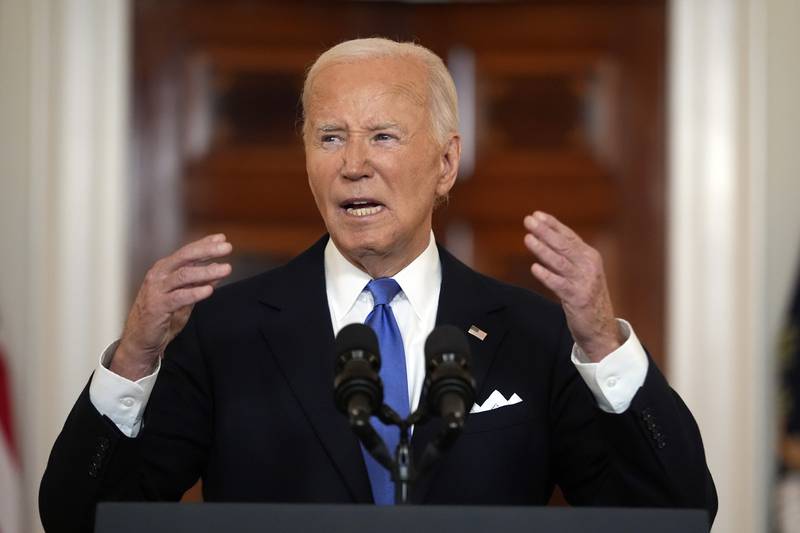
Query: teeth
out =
(364, 211)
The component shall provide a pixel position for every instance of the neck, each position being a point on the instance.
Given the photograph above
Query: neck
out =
(386, 265)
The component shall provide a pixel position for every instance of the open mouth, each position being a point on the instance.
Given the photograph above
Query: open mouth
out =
(362, 208)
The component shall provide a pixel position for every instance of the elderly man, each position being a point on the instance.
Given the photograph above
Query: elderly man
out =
(238, 390)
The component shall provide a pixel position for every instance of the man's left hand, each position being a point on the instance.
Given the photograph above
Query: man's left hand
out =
(573, 270)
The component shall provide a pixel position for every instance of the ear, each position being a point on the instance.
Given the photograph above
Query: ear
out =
(450, 156)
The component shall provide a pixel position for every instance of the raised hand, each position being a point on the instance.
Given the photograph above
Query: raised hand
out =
(165, 300)
(573, 270)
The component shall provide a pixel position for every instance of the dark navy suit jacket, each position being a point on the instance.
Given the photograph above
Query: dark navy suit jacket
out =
(244, 400)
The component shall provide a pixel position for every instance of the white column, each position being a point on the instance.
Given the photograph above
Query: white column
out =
(63, 205)
(713, 243)
(734, 231)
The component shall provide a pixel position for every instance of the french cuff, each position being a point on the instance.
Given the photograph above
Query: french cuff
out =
(120, 399)
(614, 380)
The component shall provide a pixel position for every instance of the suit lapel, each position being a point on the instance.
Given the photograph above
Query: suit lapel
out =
(297, 327)
(465, 300)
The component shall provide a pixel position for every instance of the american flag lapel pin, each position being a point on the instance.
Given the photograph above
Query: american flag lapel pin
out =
(475, 331)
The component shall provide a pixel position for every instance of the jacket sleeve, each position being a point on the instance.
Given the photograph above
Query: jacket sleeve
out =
(651, 455)
(92, 461)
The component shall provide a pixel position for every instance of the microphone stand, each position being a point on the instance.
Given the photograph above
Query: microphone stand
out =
(402, 466)
(359, 389)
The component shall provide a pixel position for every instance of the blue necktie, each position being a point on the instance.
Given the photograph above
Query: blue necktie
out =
(395, 382)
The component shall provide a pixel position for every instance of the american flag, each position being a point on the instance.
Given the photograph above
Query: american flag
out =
(10, 510)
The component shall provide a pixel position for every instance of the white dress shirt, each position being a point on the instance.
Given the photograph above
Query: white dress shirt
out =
(613, 381)
(414, 307)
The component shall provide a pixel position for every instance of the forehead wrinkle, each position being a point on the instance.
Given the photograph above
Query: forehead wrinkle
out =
(371, 125)
(408, 90)
(383, 125)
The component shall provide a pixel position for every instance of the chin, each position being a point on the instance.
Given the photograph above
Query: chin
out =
(362, 243)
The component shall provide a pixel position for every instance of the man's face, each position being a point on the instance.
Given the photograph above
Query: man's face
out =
(373, 164)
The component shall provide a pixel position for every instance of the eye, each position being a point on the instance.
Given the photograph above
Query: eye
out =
(382, 137)
(330, 139)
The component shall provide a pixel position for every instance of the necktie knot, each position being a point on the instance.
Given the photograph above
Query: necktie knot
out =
(383, 290)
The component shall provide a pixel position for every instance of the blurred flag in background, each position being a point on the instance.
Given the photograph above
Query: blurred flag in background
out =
(788, 495)
(10, 510)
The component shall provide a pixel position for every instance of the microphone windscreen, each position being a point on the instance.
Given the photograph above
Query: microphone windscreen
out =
(356, 337)
(446, 339)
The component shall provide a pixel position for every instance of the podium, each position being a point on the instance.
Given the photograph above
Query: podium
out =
(308, 518)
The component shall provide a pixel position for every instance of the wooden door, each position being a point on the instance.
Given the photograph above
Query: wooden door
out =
(566, 101)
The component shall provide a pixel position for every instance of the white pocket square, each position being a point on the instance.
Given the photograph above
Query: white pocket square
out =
(495, 401)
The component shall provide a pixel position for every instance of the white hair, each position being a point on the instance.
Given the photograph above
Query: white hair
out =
(442, 98)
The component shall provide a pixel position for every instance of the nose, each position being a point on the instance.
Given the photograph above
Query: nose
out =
(355, 159)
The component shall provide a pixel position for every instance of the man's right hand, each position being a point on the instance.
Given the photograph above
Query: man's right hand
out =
(164, 302)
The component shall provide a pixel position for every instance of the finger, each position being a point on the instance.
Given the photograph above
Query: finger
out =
(558, 226)
(549, 257)
(567, 246)
(188, 296)
(206, 249)
(558, 284)
(188, 276)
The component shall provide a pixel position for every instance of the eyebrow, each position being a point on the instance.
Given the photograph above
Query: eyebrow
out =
(328, 128)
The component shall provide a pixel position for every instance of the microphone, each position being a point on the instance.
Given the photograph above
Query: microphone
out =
(357, 387)
(358, 390)
(449, 384)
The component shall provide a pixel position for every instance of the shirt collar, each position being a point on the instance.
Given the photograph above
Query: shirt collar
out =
(422, 278)
(418, 280)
